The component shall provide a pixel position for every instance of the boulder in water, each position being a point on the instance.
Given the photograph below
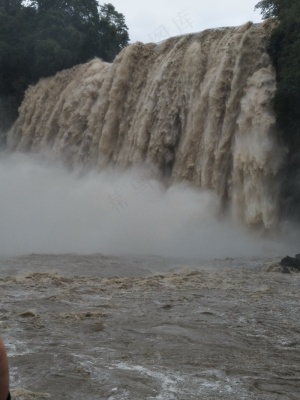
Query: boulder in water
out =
(286, 265)
(292, 263)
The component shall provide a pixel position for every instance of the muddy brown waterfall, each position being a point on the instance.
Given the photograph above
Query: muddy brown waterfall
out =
(198, 107)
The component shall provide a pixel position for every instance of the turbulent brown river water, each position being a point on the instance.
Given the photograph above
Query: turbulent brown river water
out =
(117, 328)
(194, 164)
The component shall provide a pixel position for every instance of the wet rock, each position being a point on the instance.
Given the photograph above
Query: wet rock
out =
(290, 264)
(29, 314)
(167, 307)
(278, 267)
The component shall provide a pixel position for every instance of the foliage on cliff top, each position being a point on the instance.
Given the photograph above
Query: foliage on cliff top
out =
(284, 49)
(41, 37)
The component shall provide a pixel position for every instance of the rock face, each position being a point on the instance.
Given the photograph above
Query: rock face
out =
(198, 107)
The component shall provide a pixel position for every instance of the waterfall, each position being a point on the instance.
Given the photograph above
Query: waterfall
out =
(198, 107)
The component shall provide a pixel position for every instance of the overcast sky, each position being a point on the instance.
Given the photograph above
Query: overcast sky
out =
(155, 20)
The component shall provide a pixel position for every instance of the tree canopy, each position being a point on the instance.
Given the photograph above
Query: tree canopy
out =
(270, 8)
(41, 37)
(284, 50)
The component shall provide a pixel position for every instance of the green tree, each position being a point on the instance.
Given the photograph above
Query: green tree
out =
(269, 8)
(113, 32)
(41, 37)
(11, 51)
(284, 50)
(69, 32)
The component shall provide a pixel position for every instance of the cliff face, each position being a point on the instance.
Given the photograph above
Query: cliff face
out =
(198, 107)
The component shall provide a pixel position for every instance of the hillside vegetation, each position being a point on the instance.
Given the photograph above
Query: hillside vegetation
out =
(41, 37)
(284, 49)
